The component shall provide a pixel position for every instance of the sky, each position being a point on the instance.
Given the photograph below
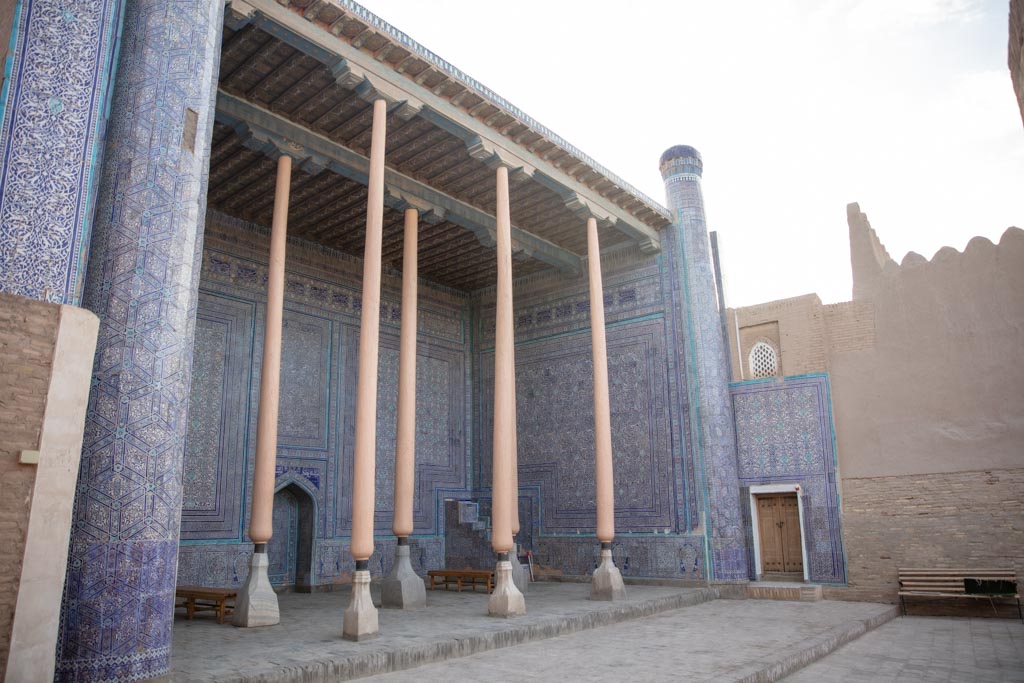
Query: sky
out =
(798, 108)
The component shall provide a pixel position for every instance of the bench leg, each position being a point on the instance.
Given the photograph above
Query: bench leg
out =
(1019, 614)
(903, 606)
(221, 605)
(190, 608)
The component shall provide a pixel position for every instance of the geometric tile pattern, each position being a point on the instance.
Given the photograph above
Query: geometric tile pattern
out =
(319, 364)
(704, 347)
(51, 140)
(142, 282)
(655, 491)
(555, 406)
(784, 436)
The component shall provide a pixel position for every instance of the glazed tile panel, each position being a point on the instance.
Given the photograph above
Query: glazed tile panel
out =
(784, 435)
(51, 137)
(142, 282)
(318, 379)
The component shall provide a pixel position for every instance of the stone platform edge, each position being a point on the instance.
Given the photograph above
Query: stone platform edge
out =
(371, 663)
(797, 657)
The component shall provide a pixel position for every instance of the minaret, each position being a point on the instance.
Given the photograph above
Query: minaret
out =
(712, 439)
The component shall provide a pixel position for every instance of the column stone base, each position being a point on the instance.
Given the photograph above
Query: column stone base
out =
(606, 584)
(506, 600)
(361, 615)
(403, 588)
(520, 572)
(256, 604)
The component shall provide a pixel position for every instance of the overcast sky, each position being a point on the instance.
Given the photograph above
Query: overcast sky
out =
(797, 106)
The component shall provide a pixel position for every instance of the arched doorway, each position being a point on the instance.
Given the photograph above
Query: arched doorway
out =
(290, 550)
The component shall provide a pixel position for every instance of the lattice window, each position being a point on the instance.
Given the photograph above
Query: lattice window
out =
(763, 361)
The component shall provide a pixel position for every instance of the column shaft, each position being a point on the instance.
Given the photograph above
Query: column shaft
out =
(604, 478)
(504, 378)
(405, 452)
(363, 473)
(260, 525)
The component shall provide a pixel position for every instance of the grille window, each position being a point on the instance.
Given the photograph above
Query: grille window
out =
(763, 361)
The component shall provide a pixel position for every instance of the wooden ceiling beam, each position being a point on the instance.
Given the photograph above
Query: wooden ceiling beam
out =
(278, 135)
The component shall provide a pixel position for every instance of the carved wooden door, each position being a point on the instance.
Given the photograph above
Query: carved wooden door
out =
(778, 525)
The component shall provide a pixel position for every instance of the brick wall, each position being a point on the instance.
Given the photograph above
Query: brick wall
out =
(28, 332)
(962, 519)
(851, 326)
(799, 325)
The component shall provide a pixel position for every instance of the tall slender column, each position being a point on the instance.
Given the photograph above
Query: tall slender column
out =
(606, 583)
(361, 615)
(403, 588)
(257, 601)
(713, 441)
(143, 281)
(506, 600)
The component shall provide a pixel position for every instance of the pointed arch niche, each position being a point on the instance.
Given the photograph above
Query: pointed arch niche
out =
(291, 548)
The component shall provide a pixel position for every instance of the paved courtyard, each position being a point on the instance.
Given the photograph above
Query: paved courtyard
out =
(680, 635)
(926, 649)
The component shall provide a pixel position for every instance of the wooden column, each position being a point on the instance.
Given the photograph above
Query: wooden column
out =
(506, 600)
(363, 473)
(604, 479)
(256, 604)
(361, 615)
(606, 583)
(260, 524)
(405, 452)
(504, 378)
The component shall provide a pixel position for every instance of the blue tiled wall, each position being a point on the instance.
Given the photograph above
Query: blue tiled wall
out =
(51, 140)
(142, 279)
(656, 525)
(318, 376)
(784, 435)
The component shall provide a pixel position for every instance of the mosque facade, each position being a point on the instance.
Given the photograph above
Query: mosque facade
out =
(154, 155)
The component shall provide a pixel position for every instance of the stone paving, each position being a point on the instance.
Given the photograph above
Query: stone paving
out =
(307, 644)
(739, 640)
(915, 649)
(722, 640)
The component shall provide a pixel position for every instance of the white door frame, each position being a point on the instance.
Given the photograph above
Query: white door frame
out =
(777, 488)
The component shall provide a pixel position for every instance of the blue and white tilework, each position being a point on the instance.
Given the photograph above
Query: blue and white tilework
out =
(51, 137)
(655, 491)
(142, 282)
(706, 361)
(784, 436)
(318, 378)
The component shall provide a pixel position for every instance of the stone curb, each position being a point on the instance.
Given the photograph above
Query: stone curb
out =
(373, 663)
(797, 657)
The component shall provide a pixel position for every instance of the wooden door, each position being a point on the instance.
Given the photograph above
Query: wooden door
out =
(778, 525)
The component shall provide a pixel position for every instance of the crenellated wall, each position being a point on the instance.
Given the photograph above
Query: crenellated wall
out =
(658, 530)
(315, 439)
(930, 417)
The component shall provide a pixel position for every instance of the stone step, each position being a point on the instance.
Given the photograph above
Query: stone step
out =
(408, 639)
(798, 592)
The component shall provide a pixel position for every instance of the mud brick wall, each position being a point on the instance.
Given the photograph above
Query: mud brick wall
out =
(961, 519)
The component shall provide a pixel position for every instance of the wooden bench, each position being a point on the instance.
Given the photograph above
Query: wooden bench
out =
(959, 583)
(461, 577)
(200, 599)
